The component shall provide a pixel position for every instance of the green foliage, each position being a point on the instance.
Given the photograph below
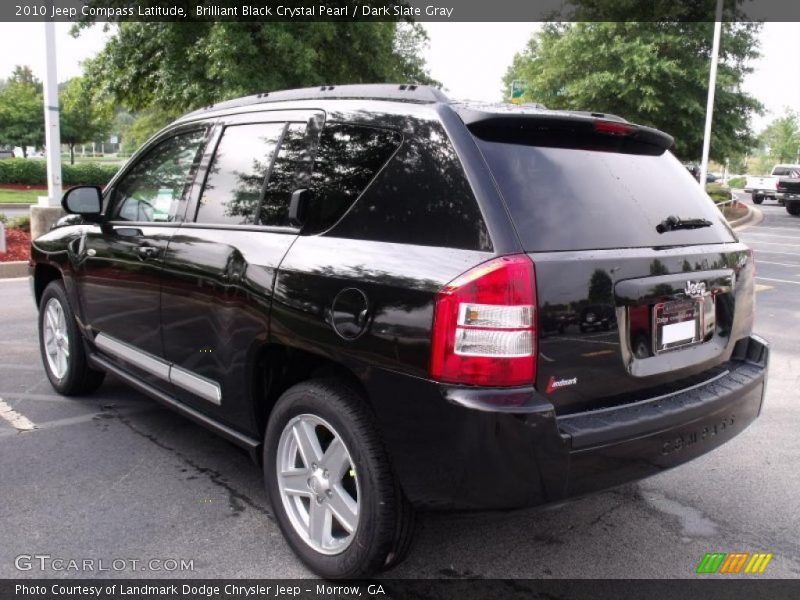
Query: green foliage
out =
(85, 115)
(144, 125)
(737, 182)
(718, 193)
(34, 172)
(175, 67)
(653, 73)
(23, 223)
(781, 138)
(21, 111)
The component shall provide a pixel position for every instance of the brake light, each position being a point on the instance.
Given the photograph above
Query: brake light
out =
(779, 186)
(613, 128)
(484, 325)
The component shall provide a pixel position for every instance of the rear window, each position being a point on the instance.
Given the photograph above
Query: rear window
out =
(581, 199)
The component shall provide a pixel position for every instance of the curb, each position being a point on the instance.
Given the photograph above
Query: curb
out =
(15, 205)
(753, 217)
(13, 269)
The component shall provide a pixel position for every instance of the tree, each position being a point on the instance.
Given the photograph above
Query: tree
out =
(85, 117)
(21, 111)
(176, 67)
(652, 73)
(600, 287)
(781, 138)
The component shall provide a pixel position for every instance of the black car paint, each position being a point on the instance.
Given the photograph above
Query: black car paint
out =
(228, 293)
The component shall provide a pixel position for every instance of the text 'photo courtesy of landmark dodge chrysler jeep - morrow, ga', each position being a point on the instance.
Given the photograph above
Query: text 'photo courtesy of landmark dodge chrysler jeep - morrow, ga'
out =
(396, 302)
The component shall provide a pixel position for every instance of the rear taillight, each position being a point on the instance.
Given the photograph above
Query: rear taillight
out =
(484, 326)
(779, 187)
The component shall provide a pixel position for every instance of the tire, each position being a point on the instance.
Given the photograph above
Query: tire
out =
(330, 411)
(793, 208)
(61, 345)
(757, 198)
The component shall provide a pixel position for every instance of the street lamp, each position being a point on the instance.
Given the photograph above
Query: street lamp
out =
(712, 84)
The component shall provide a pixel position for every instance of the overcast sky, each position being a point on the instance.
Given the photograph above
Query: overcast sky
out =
(468, 58)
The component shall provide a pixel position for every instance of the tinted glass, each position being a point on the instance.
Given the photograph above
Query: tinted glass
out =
(155, 188)
(570, 199)
(347, 158)
(294, 159)
(421, 197)
(235, 179)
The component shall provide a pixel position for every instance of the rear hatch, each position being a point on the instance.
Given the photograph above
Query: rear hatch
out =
(642, 287)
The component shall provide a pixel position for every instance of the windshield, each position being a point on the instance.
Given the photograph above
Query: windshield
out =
(579, 199)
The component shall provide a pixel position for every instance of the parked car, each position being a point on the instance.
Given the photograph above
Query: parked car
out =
(597, 316)
(6, 154)
(347, 282)
(782, 182)
(695, 171)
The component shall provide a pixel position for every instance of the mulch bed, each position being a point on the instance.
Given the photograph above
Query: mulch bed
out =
(18, 246)
(21, 187)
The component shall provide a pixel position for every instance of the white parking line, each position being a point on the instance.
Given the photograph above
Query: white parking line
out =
(757, 251)
(776, 244)
(753, 232)
(779, 280)
(766, 262)
(16, 420)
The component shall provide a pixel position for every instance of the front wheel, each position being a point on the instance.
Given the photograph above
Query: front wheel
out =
(793, 208)
(330, 483)
(61, 345)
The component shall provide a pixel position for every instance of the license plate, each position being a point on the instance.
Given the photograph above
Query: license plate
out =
(678, 324)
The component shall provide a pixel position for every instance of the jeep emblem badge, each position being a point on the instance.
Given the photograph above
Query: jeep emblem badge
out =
(695, 289)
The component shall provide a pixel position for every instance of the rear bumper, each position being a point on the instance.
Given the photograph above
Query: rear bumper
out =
(628, 443)
(482, 449)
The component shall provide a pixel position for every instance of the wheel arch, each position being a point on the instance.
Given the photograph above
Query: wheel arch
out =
(277, 367)
(43, 275)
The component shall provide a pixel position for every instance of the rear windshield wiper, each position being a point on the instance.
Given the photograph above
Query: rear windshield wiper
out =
(672, 223)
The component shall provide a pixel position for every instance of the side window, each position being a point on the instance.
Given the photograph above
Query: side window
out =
(293, 159)
(235, 180)
(421, 197)
(348, 157)
(154, 189)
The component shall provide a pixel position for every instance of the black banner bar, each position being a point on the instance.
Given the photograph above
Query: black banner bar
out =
(727, 588)
(395, 10)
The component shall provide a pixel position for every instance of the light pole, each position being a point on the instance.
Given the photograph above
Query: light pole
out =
(52, 132)
(712, 84)
(49, 208)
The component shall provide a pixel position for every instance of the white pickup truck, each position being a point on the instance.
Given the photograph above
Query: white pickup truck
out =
(782, 181)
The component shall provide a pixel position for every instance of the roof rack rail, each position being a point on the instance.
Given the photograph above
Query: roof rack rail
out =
(405, 92)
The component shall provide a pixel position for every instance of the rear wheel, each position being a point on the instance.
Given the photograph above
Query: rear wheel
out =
(757, 198)
(331, 485)
(61, 345)
(793, 208)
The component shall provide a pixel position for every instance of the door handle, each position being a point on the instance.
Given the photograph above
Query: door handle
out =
(147, 252)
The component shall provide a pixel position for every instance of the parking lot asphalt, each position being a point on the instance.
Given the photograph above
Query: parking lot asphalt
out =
(116, 476)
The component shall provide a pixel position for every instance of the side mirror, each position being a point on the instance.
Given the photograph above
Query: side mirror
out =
(297, 207)
(83, 200)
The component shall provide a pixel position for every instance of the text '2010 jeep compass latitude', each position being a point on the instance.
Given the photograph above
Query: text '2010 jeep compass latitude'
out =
(395, 301)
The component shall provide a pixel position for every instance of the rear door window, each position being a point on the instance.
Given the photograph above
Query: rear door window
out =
(563, 198)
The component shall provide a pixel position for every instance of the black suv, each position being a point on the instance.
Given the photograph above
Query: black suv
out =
(349, 282)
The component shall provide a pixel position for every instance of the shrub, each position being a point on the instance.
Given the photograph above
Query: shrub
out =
(737, 182)
(23, 223)
(718, 193)
(34, 172)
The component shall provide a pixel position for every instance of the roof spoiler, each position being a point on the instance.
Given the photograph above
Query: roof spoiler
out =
(536, 124)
